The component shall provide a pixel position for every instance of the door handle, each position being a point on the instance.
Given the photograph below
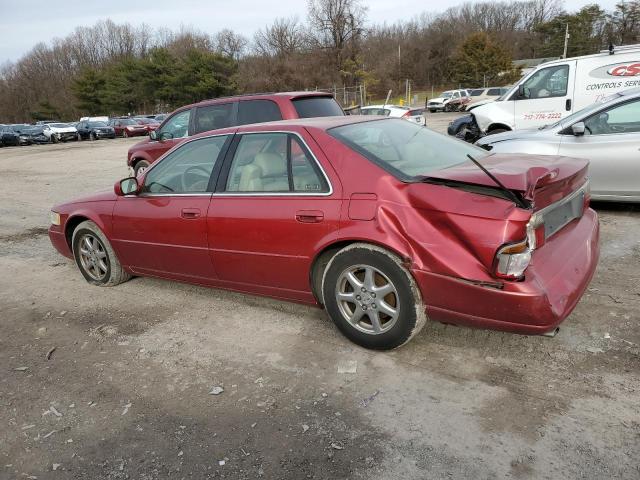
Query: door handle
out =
(190, 213)
(309, 216)
(567, 104)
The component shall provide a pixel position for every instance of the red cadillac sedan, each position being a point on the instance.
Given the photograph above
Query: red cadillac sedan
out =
(382, 222)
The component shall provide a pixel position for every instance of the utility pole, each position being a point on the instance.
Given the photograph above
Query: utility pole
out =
(566, 41)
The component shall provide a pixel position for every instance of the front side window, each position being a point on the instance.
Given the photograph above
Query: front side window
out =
(274, 163)
(405, 149)
(185, 170)
(177, 126)
(623, 118)
(547, 82)
(258, 111)
(213, 117)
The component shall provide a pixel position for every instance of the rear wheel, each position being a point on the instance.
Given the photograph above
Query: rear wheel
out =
(95, 258)
(432, 111)
(92, 136)
(373, 300)
(140, 167)
(125, 134)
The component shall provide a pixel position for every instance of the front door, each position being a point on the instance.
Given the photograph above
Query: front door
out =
(547, 96)
(163, 229)
(273, 206)
(611, 142)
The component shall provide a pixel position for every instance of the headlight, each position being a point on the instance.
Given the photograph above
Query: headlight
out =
(55, 218)
(512, 260)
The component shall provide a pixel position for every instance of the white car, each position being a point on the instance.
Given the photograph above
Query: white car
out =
(449, 101)
(482, 96)
(607, 133)
(59, 132)
(415, 115)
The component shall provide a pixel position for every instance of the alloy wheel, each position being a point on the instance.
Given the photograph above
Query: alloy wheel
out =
(93, 257)
(367, 299)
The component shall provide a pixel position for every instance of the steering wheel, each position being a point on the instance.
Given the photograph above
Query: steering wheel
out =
(199, 171)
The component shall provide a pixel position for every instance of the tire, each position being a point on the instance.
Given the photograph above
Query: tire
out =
(497, 130)
(92, 136)
(433, 111)
(78, 137)
(140, 166)
(54, 139)
(125, 134)
(101, 267)
(373, 269)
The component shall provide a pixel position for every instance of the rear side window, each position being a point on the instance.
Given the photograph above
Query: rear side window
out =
(213, 117)
(477, 92)
(308, 107)
(258, 111)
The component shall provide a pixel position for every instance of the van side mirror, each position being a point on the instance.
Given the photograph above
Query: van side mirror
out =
(578, 129)
(521, 91)
(127, 186)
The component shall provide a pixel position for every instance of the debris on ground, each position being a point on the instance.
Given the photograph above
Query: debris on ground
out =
(56, 466)
(126, 408)
(217, 390)
(365, 402)
(53, 410)
(50, 352)
(221, 462)
(348, 366)
(305, 428)
(21, 369)
(337, 446)
(595, 350)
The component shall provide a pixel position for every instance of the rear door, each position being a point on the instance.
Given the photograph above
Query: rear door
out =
(273, 206)
(214, 117)
(547, 97)
(612, 144)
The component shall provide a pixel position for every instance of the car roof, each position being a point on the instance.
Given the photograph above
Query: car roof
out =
(260, 96)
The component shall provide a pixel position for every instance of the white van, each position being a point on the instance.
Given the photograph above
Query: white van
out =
(556, 89)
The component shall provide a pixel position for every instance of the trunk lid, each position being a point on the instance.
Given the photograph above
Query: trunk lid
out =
(540, 179)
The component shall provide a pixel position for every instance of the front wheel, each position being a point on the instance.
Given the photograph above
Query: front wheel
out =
(95, 258)
(54, 139)
(140, 167)
(92, 136)
(373, 300)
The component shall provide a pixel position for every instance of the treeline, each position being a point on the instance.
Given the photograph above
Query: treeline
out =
(118, 69)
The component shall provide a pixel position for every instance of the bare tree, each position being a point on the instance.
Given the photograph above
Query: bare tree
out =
(282, 38)
(230, 43)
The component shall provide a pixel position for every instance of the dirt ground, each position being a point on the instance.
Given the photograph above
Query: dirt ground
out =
(113, 383)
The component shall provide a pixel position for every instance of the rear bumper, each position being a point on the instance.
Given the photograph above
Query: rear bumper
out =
(554, 283)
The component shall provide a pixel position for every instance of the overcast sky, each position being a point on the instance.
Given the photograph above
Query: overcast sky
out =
(23, 23)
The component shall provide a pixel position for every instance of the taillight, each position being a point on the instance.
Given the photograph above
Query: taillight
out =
(408, 114)
(512, 260)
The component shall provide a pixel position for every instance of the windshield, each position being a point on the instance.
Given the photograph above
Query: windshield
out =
(446, 94)
(405, 149)
(58, 125)
(145, 121)
(126, 121)
(97, 124)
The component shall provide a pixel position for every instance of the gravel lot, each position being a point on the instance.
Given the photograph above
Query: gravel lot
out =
(125, 393)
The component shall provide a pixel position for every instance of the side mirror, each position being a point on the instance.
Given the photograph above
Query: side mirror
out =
(578, 129)
(153, 135)
(521, 91)
(128, 186)
(164, 136)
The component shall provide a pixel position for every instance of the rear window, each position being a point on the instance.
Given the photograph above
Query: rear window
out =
(308, 107)
(258, 111)
(477, 92)
(406, 150)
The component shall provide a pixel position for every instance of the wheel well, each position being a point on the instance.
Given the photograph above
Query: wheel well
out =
(70, 226)
(496, 126)
(322, 260)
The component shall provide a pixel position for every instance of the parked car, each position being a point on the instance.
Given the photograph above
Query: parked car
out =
(127, 127)
(482, 96)
(8, 137)
(160, 118)
(226, 112)
(556, 89)
(148, 123)
(102, 118)
(415, 115)
(606, 133)
(46, 122)
(31, 134)
(449, 101)
(94, 130)
(381, 221)
(59, 132)
(23, 139)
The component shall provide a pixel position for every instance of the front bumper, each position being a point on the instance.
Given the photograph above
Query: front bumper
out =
(554, 283)
(59, 240)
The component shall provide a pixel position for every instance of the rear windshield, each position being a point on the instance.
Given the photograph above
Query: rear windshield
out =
(406, 150)
(308, 107)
